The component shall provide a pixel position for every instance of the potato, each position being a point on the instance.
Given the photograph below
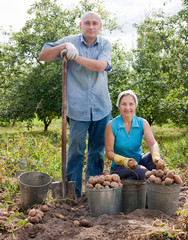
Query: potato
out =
(44, 208)
(168, 181)
(160, 173)
(166, 171)
(98, 186)
(40, 212)
(29, 225)
(92, 180)
(84, 222)
(115, 178)
(148, 174)
(108, 177)
(107, 187)
(34, 219)
(39, 217)
(170, 174)
(160, 165)
(151, 178)
(177, 179)
(106, 183)
(32, 212)
(100, 179)
(153, 172)
(158, 180)
(114, 185)
(76, 223)
(60, 216)
(89, 185)
(132, 164)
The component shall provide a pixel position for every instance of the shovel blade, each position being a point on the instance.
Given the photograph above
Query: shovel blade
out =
(57, 190)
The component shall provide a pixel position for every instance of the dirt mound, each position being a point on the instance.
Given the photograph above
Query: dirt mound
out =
(64, 221)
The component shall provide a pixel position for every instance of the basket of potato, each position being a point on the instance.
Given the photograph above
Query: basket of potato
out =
(104, 194)
(163, 189)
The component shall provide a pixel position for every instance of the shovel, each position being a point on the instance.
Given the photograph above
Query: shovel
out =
(63, 189)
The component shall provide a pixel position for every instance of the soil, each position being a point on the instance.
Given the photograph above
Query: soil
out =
(59, 223)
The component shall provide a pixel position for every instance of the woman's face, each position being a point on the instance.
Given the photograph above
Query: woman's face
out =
(127, 106)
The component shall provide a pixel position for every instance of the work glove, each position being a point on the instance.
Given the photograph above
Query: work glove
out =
(129, 163)
(160, 164)
(72, 52)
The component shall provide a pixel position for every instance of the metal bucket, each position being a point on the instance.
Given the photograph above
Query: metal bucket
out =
(33, 188)
(104, 201)
(163, 197)
(133, 195)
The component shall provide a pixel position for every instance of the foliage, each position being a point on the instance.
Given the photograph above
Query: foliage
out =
(120, 76)
(160, 68)
(29, 86)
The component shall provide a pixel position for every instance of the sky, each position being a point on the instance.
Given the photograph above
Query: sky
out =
(14, 13)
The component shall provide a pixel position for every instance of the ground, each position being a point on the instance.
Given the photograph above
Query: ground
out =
(59, 223)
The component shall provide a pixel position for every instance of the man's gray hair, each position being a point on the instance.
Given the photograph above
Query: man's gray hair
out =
(125, 93)
(92, 13)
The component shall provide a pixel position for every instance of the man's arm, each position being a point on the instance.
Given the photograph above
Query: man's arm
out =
(50, 53)
(92, 64)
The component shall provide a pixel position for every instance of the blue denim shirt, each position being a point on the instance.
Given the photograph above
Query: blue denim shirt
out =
(87, 90)
(128, 145)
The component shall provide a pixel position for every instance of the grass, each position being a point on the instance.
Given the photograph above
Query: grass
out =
(42, 150)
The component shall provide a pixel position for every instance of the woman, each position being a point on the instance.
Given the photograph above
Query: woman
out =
(123, 141)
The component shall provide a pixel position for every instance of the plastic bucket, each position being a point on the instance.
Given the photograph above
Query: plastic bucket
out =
(33, 188)
(104, 201)
(133, 195)
(163, 197)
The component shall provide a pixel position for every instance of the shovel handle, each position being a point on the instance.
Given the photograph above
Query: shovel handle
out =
(64, 122)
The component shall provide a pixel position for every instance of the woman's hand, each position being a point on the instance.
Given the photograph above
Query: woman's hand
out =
(129, 163)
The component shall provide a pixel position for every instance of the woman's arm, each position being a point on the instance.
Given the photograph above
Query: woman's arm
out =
(109, 142)
(150, 140)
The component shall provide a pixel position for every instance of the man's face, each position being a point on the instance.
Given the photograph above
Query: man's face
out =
(90, 26)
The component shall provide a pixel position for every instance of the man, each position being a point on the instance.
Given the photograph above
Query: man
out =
(88, 100)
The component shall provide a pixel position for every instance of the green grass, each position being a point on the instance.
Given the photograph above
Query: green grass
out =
(43, 150)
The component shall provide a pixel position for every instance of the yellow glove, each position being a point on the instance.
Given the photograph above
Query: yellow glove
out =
(160, 164)
(120, 160)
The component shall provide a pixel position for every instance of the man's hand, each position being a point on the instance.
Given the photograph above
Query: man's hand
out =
(129, 163)
(72, 52)
(160, 164)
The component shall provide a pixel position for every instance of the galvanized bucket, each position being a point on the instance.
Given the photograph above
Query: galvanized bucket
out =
(163, 197)
(33, 188)
(104, 201)
(133, 195)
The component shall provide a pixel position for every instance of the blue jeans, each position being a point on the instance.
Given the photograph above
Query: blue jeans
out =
(145, 164)
(77, 146)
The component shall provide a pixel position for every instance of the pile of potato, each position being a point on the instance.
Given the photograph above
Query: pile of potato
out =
(36, 215)
(104, 181)
(165, 177)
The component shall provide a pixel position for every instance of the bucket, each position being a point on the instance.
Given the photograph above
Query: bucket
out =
(22, 166)
(163, 197)
(104, 201)
(133, 195)
(33, 188)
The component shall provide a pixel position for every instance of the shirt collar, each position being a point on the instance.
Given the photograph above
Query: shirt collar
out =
(95, 42)
(133, 124)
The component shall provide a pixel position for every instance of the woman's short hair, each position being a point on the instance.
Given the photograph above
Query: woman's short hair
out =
(125, 93)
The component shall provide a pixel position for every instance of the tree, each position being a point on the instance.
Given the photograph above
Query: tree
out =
(38, 88)
(120, 76)
(160, 68)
